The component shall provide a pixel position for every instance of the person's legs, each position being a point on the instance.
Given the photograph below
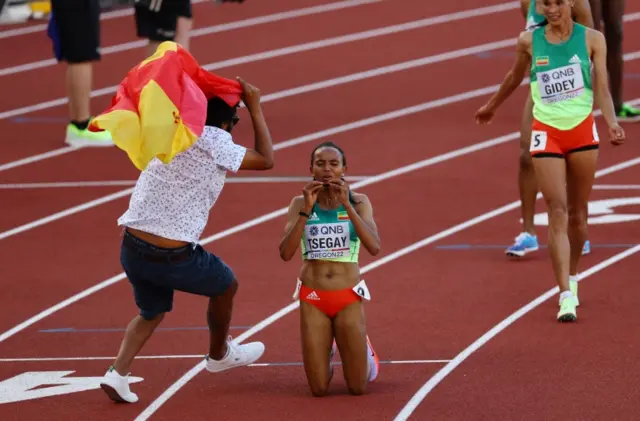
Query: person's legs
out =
(316, 334)
(154, 274)
(152, 300)
(581, 169)
(184, 23)
(527, 241)
(612, 16)
(74, 28)
(359, 361)
(171, 23)
(551, 174)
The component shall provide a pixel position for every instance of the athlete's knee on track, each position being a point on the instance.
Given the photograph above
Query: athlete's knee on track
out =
(357, 389)
(319, 389)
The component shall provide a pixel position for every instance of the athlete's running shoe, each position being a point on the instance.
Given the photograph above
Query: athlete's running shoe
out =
(374, 361)
(628, 114)
(79, 138)
(524, 243)
(586, 249)
(573, 285)
(567, 311)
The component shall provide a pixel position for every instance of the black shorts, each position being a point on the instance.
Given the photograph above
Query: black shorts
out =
(155, 273)
(74, 29)
(160, 24)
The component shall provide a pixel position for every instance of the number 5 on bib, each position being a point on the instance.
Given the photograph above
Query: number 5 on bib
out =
(538, 141)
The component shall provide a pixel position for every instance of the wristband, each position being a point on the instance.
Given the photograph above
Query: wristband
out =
(304, 214)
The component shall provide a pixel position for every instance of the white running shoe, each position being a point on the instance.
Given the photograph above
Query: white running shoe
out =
(237, 356)
(117, 387)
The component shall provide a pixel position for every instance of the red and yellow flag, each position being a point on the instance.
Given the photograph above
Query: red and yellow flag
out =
(160, 107)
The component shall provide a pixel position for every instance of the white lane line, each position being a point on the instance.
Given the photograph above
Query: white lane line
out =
(173, 389)
(434, 381)
(36, 158)
(193, 356)
(244, 23)
(616, 187)
(309, 46)
(67, 212)
(111, 183)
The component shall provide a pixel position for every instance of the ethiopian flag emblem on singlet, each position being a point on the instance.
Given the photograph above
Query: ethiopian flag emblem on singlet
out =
(542, 61)
(343, 216)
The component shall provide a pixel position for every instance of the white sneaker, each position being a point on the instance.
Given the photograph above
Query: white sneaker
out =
(237, 356)
(117, 387)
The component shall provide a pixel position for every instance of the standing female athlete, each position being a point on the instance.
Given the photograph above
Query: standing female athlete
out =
(527, 241)
(330, 222)
(564, 140)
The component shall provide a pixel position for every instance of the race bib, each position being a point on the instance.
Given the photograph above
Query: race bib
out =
(362, 290)
(560, 84)
(538, 141)
(327, 241)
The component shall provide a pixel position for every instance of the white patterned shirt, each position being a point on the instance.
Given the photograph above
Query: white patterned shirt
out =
(174, 200)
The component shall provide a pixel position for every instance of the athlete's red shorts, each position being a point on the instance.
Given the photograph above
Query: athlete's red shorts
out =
(549, 141)
(329, 302)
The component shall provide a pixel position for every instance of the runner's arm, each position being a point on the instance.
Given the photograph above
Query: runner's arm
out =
(365, 226)
(600, 77)
(516, 74)
(261, 157)
(293, 229)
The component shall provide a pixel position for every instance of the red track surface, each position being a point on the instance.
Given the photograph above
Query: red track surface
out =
(429, 304)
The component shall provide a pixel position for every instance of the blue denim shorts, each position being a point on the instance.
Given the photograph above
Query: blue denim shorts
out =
(155, 273)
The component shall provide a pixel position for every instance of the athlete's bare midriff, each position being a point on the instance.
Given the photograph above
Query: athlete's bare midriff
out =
(327, 275)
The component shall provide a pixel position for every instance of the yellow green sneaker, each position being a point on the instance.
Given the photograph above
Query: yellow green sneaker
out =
(573, 285)
(628, 114)
(567, 311)
(77, 137)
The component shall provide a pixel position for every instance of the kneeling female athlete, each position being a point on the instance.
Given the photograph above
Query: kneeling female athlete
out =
(564, 140)
(330, 222)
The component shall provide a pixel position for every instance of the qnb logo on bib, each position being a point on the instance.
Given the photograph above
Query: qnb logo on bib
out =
(327, 241)
(560, 84)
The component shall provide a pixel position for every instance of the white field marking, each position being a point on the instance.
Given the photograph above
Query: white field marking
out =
(272, 215)
(244, 23)
(419, 396)
(449, 55)
(67, 212)
(191, 356)
(43, 27)
(111, 183)
(35, 158)
(344, 39)
(616, 187)
(173, 389)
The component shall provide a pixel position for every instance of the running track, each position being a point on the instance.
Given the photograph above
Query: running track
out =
(445, 198)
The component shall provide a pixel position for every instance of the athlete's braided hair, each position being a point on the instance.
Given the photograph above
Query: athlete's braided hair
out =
(329, 144)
